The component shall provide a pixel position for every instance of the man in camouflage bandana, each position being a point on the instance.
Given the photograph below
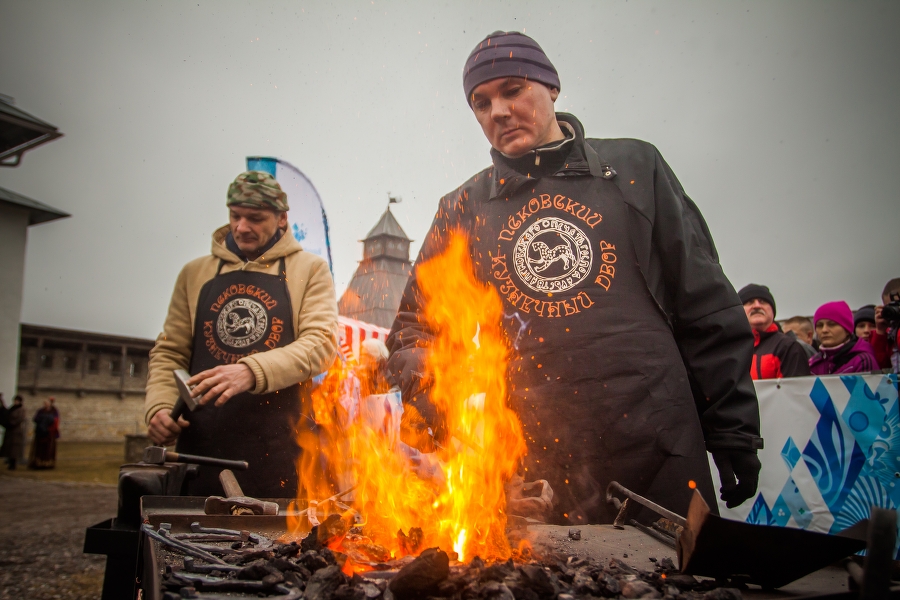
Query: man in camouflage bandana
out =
(253, 323)
(256, 189)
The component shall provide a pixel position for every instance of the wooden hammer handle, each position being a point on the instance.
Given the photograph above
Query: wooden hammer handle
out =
(230, 484)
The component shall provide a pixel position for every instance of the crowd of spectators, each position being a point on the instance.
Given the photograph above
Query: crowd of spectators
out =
(836, 340)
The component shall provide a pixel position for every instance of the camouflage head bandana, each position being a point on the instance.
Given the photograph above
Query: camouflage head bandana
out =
(256, 189)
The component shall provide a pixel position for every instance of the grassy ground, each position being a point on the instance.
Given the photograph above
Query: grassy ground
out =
(86, 462)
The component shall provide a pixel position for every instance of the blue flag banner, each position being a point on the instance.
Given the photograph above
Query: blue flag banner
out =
(306, 219)
(832, 451)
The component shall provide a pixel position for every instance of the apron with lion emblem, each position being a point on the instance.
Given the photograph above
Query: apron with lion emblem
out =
(238, 314)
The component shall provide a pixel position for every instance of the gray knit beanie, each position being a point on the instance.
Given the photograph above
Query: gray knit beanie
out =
(507, 54)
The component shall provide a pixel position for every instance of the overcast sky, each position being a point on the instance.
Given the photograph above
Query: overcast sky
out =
(782, 121)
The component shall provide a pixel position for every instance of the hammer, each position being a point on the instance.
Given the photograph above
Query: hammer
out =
(236, 502)
(157, 455)
(185, 402)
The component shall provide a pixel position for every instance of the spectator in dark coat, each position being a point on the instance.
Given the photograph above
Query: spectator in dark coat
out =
(840, 351)
(775, 355)
(46, 431)
(13, 448)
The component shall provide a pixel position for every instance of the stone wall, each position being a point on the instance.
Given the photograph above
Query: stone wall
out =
(94, 417)
(97, 380)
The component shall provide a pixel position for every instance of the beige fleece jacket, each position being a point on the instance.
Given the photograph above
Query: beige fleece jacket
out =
(313, 303)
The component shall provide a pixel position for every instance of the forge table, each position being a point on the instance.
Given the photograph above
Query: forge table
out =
(635, 548)
(598, 543)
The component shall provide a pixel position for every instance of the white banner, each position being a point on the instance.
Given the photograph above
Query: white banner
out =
(306, 218)
(832, 450)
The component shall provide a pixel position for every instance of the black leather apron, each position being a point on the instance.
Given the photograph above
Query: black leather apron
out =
(241, 313)
(598, 380)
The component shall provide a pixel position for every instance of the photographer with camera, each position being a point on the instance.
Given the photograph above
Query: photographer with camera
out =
(887, 321)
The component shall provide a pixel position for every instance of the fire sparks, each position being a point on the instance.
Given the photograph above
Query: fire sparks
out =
(450, 492)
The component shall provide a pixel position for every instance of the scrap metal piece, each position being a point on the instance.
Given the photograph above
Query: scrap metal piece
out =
(766, 555)
(185, 547)
(192, 567)
(253, 538)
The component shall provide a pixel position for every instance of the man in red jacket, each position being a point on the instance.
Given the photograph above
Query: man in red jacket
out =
(775, 355)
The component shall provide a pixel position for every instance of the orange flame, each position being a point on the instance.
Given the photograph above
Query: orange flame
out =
(454, 495)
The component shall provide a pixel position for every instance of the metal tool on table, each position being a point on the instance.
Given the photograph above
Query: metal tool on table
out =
(186, 402)
(235, 502)
(157, 455)
(768, 556)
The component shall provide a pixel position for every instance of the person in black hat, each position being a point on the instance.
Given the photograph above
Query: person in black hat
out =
(631, 350)
(775, 354)
(864, 321)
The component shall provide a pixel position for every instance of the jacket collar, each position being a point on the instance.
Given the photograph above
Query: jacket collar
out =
(836, 351)
(571, 156)
(283, 247)
(770, 330)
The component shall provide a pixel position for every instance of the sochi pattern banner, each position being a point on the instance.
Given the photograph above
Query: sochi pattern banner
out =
(306, 219)
(832, 450)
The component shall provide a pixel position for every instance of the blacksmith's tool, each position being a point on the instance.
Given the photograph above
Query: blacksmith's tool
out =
(157, 455)
(769, 556)
(186, 402)
(236, 503)
(625, 508)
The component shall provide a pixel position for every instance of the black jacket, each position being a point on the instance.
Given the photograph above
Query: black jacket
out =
(677, 263)
(777, 355)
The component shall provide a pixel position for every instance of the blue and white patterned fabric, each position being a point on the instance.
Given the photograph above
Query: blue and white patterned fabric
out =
(832, 451)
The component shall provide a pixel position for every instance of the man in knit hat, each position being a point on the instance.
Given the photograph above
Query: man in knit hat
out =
(775, 355)
(864, 321)
(253, 322)
(631, 353)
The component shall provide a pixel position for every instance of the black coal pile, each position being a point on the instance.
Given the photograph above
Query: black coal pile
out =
(252, 566)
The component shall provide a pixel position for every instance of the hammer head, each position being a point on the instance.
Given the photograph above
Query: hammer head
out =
(216, 505)
(155, 455)
(184, 391)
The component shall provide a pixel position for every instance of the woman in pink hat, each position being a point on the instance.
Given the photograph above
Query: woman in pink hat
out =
(840, 351)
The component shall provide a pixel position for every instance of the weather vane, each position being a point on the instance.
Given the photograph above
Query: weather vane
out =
(394, 199)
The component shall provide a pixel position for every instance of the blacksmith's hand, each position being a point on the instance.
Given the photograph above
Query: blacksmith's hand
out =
(222, 383)
(740, 464)
(163, 430)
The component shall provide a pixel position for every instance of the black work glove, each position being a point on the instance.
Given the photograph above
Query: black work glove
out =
(742, 464)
